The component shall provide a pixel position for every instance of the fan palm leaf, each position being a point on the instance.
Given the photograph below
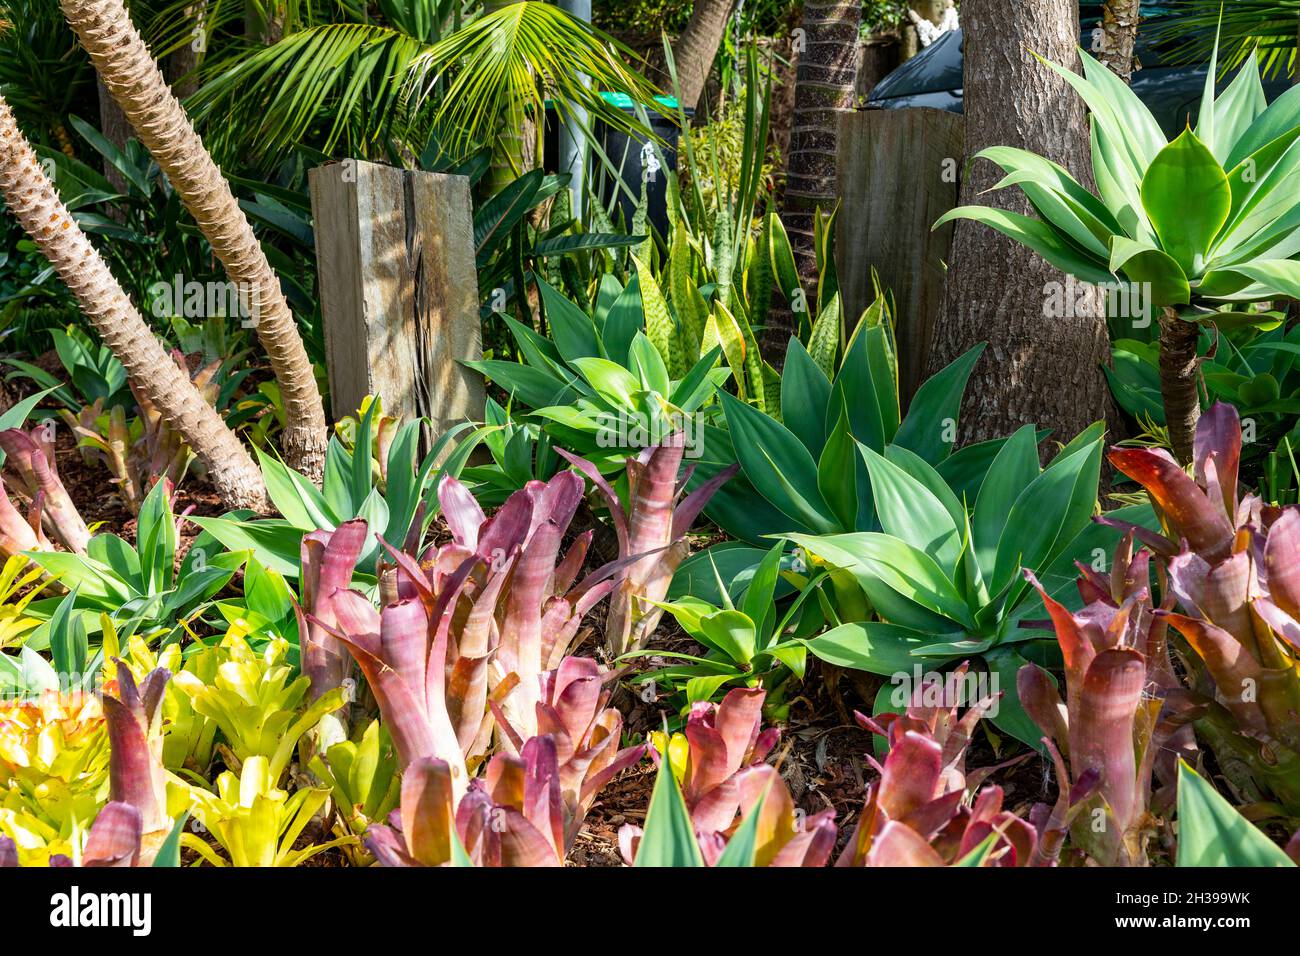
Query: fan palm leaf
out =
(1269, 26)
(356, 85)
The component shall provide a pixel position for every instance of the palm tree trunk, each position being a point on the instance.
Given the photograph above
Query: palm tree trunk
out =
(825, 86)
(133, 78)
(35, 203)
(1119, 27)
(697, 48)
(1178, 371)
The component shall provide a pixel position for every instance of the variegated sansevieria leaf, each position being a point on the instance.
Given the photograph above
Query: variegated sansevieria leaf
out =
(660, 328)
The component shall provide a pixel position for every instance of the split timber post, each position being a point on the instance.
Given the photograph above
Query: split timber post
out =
(399, 291)
(898, 172)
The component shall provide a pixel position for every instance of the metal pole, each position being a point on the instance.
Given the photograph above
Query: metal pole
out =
(573, 141)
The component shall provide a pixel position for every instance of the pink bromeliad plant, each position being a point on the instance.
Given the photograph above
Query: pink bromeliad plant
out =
(137, 777)
(329, 559)
(1233, 565)
(527, 809)
(30, 469)
(477, 636)
(721, 761)
(927, 809)
(652, 524)
(1108, 736)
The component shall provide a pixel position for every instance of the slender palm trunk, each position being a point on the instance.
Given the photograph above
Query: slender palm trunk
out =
(825, 86)
(697, 47)
(1178, 390)
(133, 78)
(1119, 25)
(34, 201)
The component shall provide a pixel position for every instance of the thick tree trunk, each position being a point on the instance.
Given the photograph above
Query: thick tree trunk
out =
(1119, 27)
(34, 202)
(1046, 335)
(825, 86)
(131, 76)
(697, 47)
(1178, 386)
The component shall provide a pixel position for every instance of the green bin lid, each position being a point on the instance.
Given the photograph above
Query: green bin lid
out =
(624, 102)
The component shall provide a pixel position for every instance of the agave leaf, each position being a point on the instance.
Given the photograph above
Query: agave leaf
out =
(1187, 197)
(1039, 236)
(1212, 833)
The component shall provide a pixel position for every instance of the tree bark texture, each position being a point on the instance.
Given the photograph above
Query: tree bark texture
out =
(1046, 334)
(136, 83)
(32, 198)
(1178, 382)
(697, 47)
(1119, 27)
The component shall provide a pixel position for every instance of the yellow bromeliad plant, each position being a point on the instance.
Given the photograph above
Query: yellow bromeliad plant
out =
(18, 586)
(188, 736)
(253, 699)
(53, 772)
(254, 822)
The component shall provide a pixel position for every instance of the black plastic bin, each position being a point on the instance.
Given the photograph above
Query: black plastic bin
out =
(630, 156)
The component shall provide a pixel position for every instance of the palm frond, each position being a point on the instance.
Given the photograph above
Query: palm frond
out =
(525, 54)
(1271, 26)
(346, 81)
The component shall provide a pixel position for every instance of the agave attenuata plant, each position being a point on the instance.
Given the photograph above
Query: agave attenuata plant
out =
(1198, 228)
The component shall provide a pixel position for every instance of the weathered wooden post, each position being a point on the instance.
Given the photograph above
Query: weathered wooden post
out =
(898, 172)
(399, 291)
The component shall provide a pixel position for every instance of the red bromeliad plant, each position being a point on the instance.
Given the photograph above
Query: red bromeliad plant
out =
(652, 526)
(585, 733)
(137, 777)
(488, 612)
(18, 534)
(528, 809)
(1106, 739)
(29, 459)
(1235, 571)
(114, 840)
(721, 760)
(919, 813)
(329, 559)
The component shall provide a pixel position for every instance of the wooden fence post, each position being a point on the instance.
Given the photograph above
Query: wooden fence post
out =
(399, 291)
(899, 171)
